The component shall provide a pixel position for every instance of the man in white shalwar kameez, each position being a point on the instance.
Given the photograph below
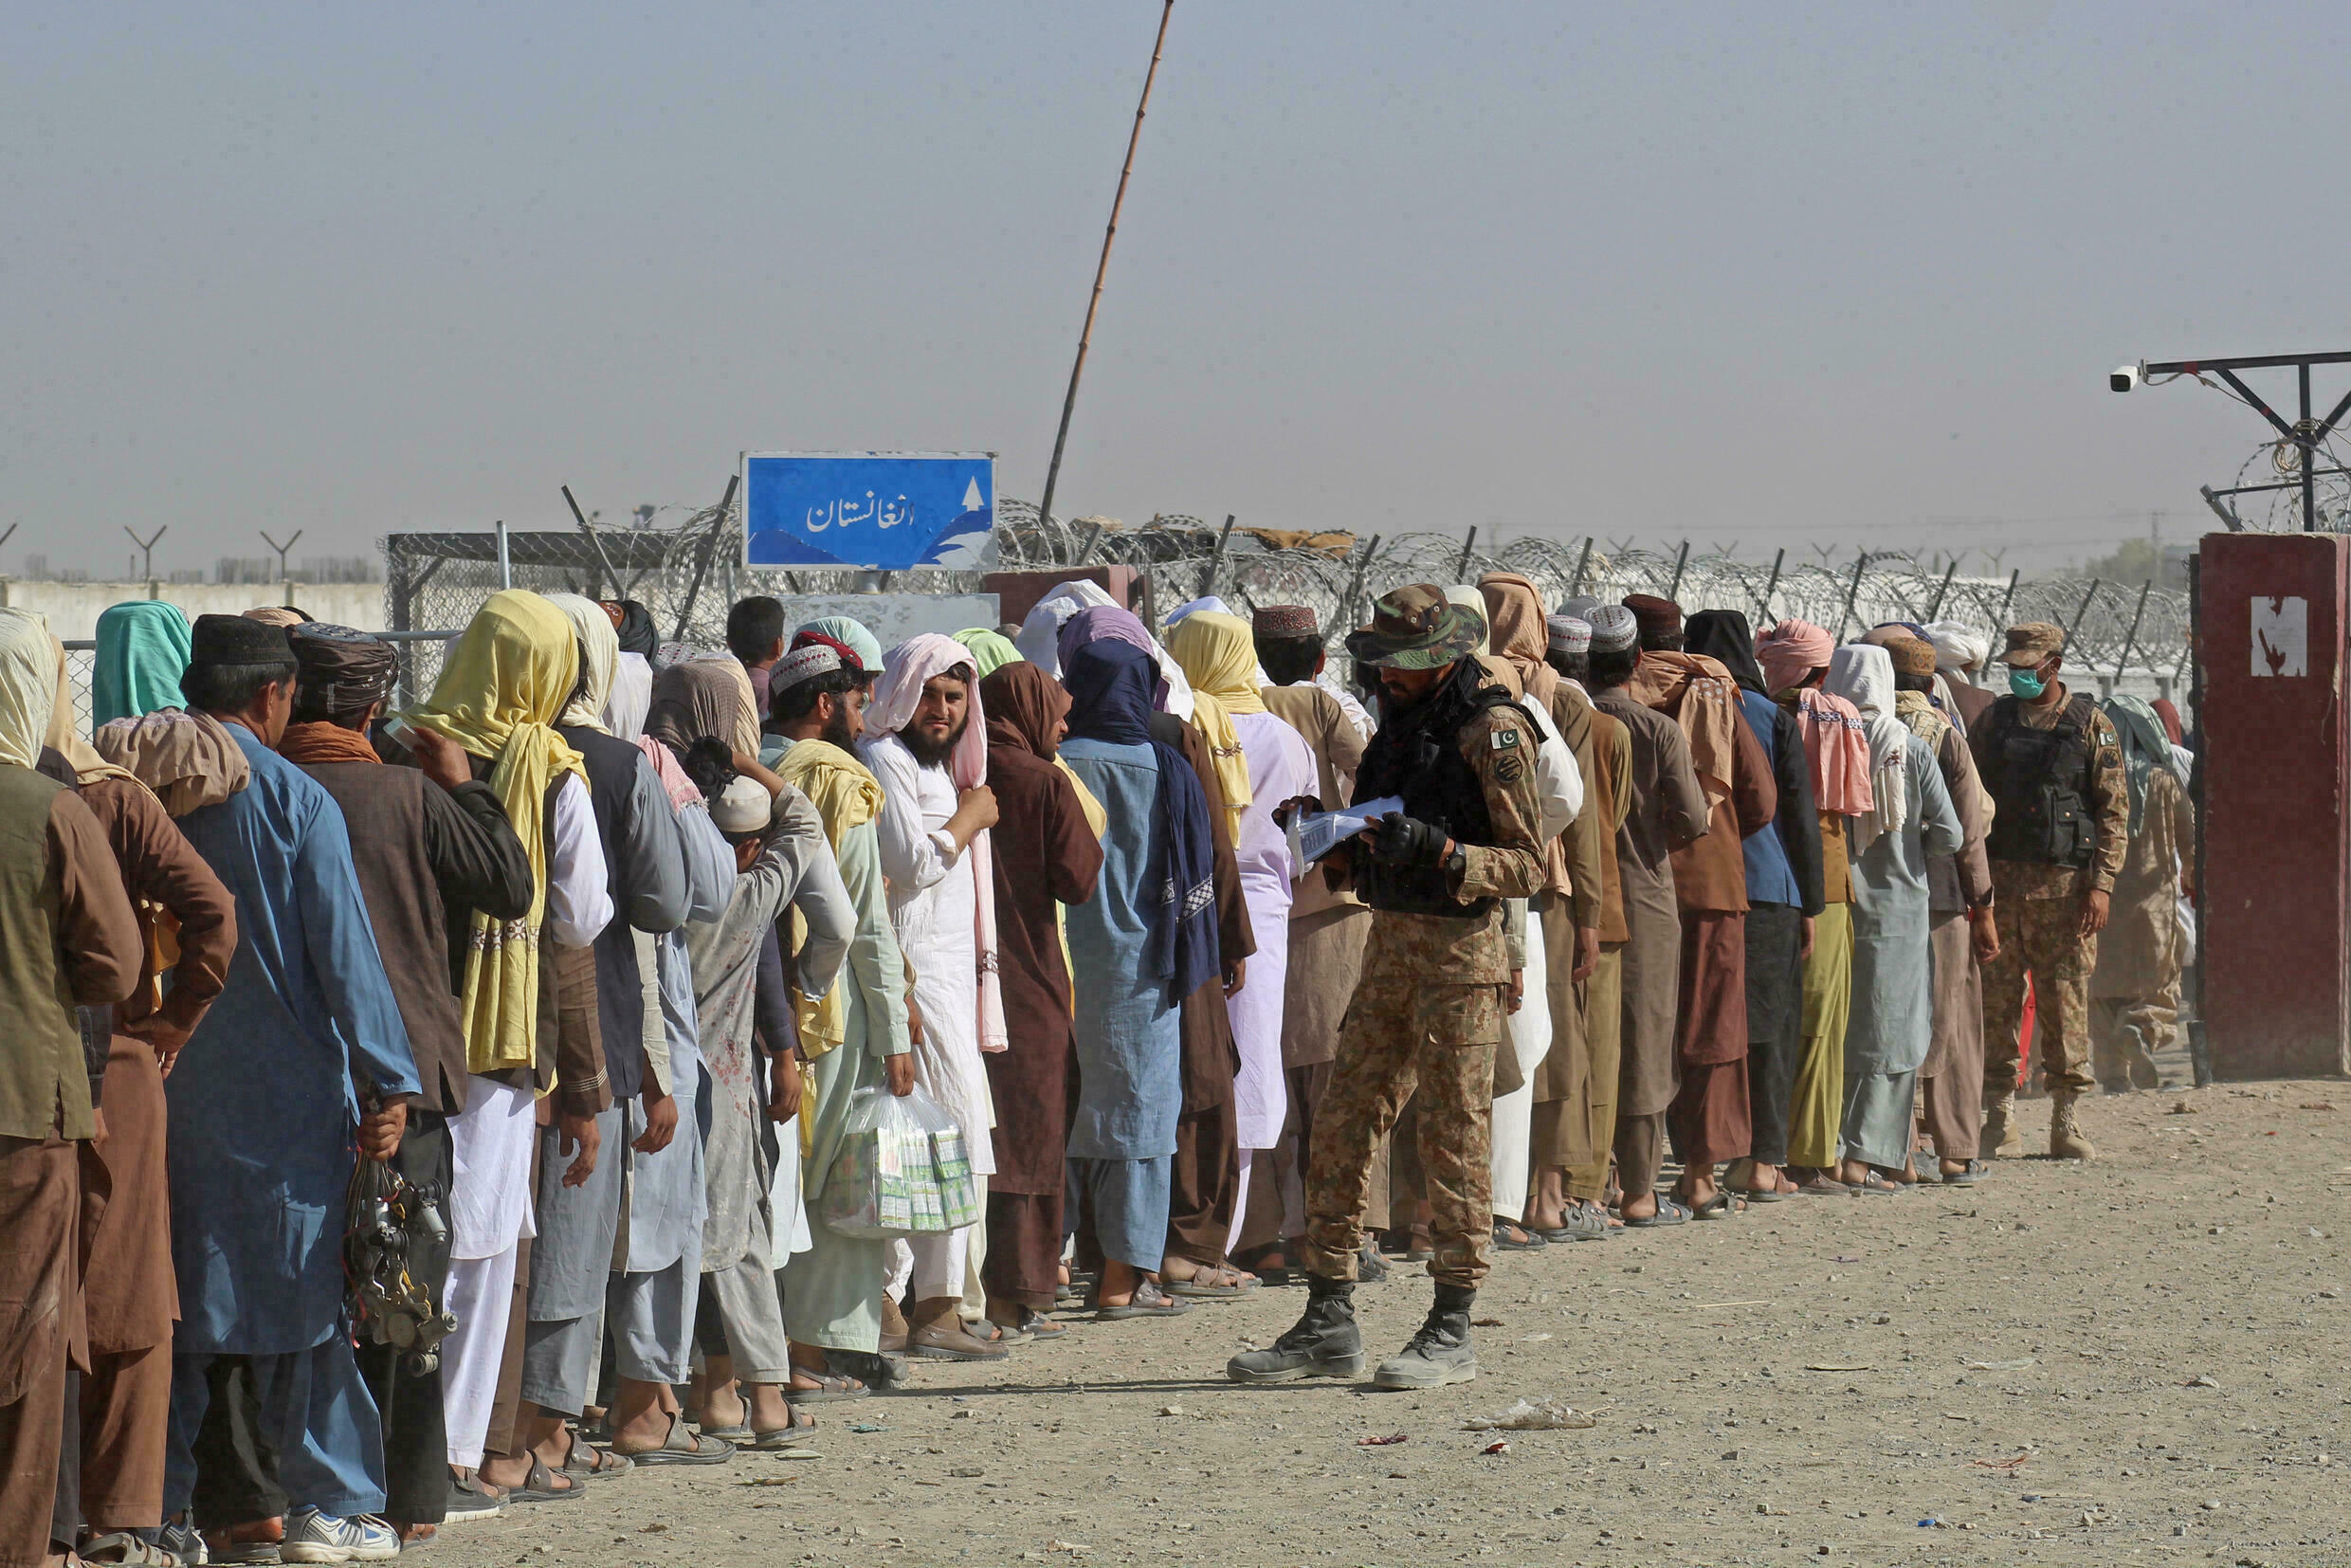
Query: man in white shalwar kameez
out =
(926, 743)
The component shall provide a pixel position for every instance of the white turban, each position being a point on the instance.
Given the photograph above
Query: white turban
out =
(1958, 645)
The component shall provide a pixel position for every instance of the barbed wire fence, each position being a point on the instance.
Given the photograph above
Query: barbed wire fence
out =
(686, 567)
(2132, 633)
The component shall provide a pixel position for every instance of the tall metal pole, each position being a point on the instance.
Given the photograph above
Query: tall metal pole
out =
(702, 568)
(2306, 434)
(2007, 598)
(285, 581)
(1583, 563)
(1763, 604)
(147, 548)
(1468, 548)
(2132, 636)
(2087, 599)
(588, 528)
(506, 564)
(1948, 573)
(1852, 591)
(1679, 561)
(1085, 338)
(1355, 587)
(1215, 559)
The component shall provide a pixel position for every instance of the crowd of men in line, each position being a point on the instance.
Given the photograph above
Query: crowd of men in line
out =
(413, 1112)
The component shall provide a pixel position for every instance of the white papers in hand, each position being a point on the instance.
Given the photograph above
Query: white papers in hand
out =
(1314, 834)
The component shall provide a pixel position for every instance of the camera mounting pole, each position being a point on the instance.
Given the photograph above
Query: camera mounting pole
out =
(2306, 434)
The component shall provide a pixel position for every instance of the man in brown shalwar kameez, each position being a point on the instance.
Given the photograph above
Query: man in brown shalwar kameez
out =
(1709, 1113)
(1667, 810)
(1046, 855)
(68, 938)
(111, 1476)
(1961, 929)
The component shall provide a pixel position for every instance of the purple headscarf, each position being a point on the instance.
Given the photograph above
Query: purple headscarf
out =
(1102, 622)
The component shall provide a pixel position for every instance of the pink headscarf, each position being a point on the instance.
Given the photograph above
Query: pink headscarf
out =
(896, 696)
(1837, 740)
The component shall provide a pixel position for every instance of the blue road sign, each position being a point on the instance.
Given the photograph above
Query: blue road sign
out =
(885, 510)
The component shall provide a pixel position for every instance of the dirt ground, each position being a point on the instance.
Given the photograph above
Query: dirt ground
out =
(2138, 1360)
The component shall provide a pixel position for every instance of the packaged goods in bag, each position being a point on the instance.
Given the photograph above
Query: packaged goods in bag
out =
(901, 1169)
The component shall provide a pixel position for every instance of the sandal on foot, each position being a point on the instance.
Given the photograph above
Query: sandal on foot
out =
(1526, 1241)
(120, 1547)
(602, 1463)
(1872, 1183)
(1668, 1212)
(1036, 1325)
(802, 1429)
(1721, 1206)
(1209, 1281)
(683, 1447)
(538, 1485)
(831, 1386)
(1820, 1185)
(1149, 1300)
(1968, 1178)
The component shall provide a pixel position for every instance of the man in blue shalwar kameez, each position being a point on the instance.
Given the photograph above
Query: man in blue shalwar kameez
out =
(302, 1057)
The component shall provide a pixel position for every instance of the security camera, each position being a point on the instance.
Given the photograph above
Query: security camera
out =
(2124, 378)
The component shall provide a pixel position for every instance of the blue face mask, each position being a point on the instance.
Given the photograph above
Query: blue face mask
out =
(2026, 684)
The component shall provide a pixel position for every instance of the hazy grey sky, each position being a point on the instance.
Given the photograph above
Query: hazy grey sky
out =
(1837, 273)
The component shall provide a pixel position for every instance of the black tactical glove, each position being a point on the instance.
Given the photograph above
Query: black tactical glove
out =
(1408, 842)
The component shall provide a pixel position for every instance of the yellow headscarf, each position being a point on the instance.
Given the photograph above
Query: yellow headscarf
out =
(27, 687)
(846, 796)
(503, 684)
(65, 737)
(1219, 658)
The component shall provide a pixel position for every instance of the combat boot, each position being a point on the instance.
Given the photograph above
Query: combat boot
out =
(2000, 1139)
(2064, 1133)
(1324, 1343)
(1440, 1353)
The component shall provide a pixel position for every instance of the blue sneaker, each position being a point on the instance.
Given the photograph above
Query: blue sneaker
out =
(315, 1537)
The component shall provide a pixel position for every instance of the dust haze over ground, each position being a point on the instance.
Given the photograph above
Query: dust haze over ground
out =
(2141, 1359)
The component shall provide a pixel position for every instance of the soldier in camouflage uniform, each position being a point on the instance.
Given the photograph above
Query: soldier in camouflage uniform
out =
(2061, 826)
(1428, 1013)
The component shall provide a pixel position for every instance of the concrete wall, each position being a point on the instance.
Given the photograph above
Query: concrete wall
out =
(73, 608)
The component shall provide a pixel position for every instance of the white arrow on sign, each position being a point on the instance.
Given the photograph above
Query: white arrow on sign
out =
(971, 497)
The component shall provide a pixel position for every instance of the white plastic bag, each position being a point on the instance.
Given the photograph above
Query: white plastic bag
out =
(902, 1169)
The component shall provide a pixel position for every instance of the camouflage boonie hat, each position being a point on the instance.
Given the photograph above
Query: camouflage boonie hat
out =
(1416, 628)
(2031, 644)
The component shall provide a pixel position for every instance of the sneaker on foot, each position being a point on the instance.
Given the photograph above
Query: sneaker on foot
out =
(315, 1537)
(184, 1542)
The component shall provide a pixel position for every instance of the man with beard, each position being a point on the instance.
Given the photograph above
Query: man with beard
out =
(926, 743)
(1428, 1013)
(854, 1036)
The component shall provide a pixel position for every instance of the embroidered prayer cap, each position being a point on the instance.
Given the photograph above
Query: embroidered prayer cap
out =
(743, 806)
(803, 663)
(1567, 633)
(1283, 620)
(2028, 644)
(1416, 627)
(851, 636)
(339, 670)
(1615, 629)
(848, 657)
(1656, 617)
(1912, 656)
(237, 640)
